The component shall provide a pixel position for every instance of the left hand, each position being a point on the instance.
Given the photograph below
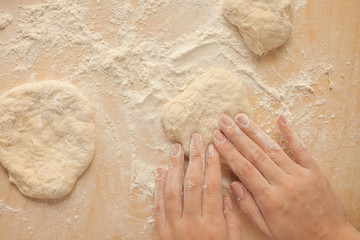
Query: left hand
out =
(193, 208)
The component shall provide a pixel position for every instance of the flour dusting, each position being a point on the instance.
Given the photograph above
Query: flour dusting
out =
(7, 209)
(299, 4)
(129, 58)
(5, 19)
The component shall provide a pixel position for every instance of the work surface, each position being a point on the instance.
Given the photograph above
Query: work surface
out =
(129, 58)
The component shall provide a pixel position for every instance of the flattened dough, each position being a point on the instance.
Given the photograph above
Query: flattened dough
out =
(264, 24)
(47, 137)
(199, 107)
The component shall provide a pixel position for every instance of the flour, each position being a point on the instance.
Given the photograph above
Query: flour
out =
(298, 5)
(137, 59)
(5, 19)
(7, 209)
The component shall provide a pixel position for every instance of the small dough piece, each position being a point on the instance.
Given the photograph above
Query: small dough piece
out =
(264, 24)
(47, 137)
(199, 107)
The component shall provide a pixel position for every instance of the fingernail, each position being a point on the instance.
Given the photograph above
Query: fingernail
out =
(242, 119)
(238, 191)
(211, 150)
(226, 121)
(175, 150)
(229, 202)
(159, 173)
(196, 139)
(219, 137)
(283, 120)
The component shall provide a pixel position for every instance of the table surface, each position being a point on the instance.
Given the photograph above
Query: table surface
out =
(103, 205)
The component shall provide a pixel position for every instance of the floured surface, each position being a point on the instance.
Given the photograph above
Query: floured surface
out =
(129, 59)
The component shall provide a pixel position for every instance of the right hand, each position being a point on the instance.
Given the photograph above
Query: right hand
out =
(284, 199)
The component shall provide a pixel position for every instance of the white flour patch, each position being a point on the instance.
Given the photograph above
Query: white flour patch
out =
(299, 4)
(9, 210)
(5, 19)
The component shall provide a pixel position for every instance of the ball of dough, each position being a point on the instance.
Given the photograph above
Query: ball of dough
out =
(199, 106)
(264, 24)
(47, 137)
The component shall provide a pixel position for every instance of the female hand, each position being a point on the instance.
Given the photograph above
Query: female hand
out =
(284, 199)
(193, 208)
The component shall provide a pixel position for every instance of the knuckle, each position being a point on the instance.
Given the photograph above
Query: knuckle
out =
(171, 195)
(258, 156)
(253, 132)
(274, 152)
(246, 169)
(307, 175)
(274, 205)
(191, 228)
(288, 187)
(247, 210)
(267, 193)
(230, 149)
(192, 184)
(157, 209)
(212, 162)
(196, 158)
(300, 148)
(196, 152)
(212, 188)
(272, 201)
(267, 197)
(311, 178)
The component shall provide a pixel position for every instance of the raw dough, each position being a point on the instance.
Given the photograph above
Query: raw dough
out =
(199, 107)
(47, 137)
(264, 24)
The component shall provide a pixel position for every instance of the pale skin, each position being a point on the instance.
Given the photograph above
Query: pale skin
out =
(284, 198)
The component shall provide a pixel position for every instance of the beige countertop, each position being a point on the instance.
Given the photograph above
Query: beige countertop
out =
(325, 45)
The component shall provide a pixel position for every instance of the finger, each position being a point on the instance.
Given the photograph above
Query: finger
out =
(159, 201)
(269, 146)
(250, 150)
(241, 167)
(194, 178)
(249, 209)
(232, 219)
(212, 198)
(173, 191)
(298, 148)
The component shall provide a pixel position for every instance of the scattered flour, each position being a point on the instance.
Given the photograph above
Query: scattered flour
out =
(7, 209)
(5, 19)
(299, 4)
(129, 60)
